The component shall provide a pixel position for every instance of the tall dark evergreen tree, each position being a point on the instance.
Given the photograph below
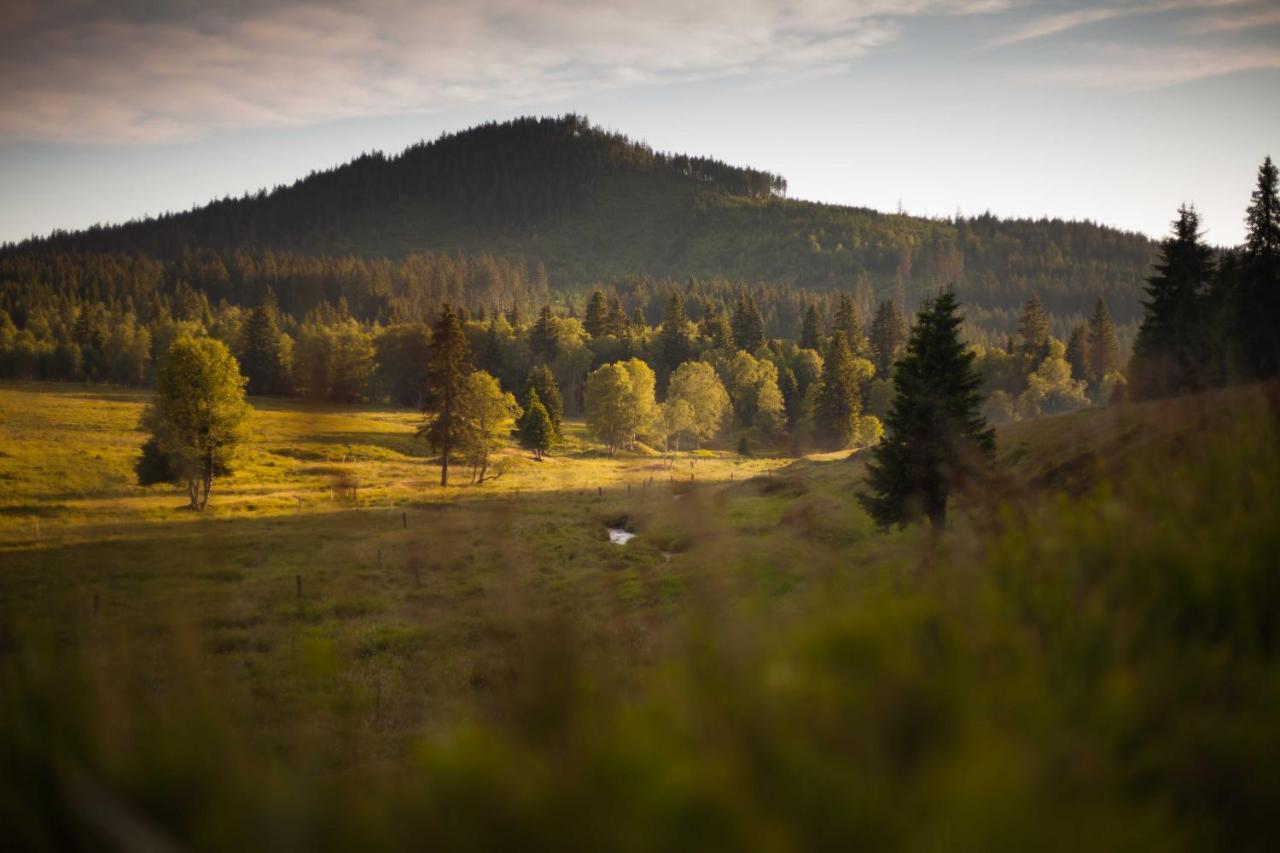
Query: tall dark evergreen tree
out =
(811, 329)
(848, 322)
(839, 400)
(717, 329)
(936, 439)
(888, 334)
(616, 322)
(596, 320)
(536, 431)
(673, 342)
(1033, 332)
(442, 394)
(1078, 352)
(263, 360)
(1102, 349)
(1169, 354)
(542, 337)
(1258, 316)
(541, 383)
(748, 324)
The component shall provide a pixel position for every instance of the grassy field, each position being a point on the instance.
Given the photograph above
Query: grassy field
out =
(1088, 657)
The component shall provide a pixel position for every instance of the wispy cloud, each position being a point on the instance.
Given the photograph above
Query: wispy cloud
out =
(121, 72)
(1138, 69)
(1055, 24)
(1244, 19)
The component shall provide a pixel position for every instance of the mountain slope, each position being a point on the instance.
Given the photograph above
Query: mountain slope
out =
(596, 207)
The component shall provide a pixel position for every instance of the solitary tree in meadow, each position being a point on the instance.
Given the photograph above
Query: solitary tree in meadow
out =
(936, 436)
(610, 405)
(541, 383)
(447, 369)
(486, 415)
(196, 420)
(536, 431)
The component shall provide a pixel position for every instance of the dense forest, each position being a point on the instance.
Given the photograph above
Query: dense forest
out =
(490, 216)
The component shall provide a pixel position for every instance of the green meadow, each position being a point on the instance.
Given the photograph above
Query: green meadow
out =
(339, 651)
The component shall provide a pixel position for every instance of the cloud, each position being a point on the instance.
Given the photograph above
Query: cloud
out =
(1051, 25)
(1137, 69)
(124, 72)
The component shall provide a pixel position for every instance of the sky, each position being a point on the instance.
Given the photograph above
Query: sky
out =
(1116, 112)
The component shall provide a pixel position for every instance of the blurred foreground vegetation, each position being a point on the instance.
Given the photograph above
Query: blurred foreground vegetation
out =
(1086, 659)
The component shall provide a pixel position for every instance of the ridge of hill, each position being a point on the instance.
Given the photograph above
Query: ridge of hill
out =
(595, 207)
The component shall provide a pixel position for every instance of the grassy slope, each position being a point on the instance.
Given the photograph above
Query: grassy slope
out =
(404, 631)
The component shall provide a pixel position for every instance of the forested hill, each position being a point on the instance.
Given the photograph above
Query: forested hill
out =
(594, 207)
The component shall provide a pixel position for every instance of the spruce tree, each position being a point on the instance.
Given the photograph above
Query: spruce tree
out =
(1101, 346)
(1169, 352)
(811, 330)
(839, 400)
(537, 432)
(264, 362)
(1258, 313)
(1033, 332)
(615, 321)
(447, 371)
(1078, 352)
(848, 322)
(748, 324)
(596, 320)
(542, 337)
(888, 334)
(936, 438)
(673, 342)
(541, 383)
(717, 329)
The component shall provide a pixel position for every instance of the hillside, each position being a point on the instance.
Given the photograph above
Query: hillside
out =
(594, 207)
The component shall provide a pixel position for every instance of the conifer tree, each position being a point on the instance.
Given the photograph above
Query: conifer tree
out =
(673, 341)
(839, 400)
(1258, 312)
(1101, 347)
(811, 330)
(1077, 355)
(936, 438)
(596, 320)
(537, 432)
(265, 356)
(541, 383)
(542, 337)
(888, 334)
(848, 322)
(616, 323)
(444, 424)
(748, 324)
(717, 329)
(1168, 354)
(1033, 332)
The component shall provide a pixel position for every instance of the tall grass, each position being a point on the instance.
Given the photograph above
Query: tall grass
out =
(1089, 672)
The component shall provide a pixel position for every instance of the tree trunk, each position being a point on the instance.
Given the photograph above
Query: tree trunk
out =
(484, 465)
(444, 468)
(193, 493)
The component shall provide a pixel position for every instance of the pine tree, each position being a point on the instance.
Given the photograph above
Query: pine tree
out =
(673, 342)
(748, 324)
(717, 329)
(811, 330)
(542, 337)
(839, 400)
(537, 432)
(596, 320)
(1169, 352)
(615, 322)
(444, 424)
(936, 438)
(888, 334)
(264, 358)
(541, 383)
(1258, 313)
(848, 322)
(1101, 347)
(1033, 332)
(1078, 352)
